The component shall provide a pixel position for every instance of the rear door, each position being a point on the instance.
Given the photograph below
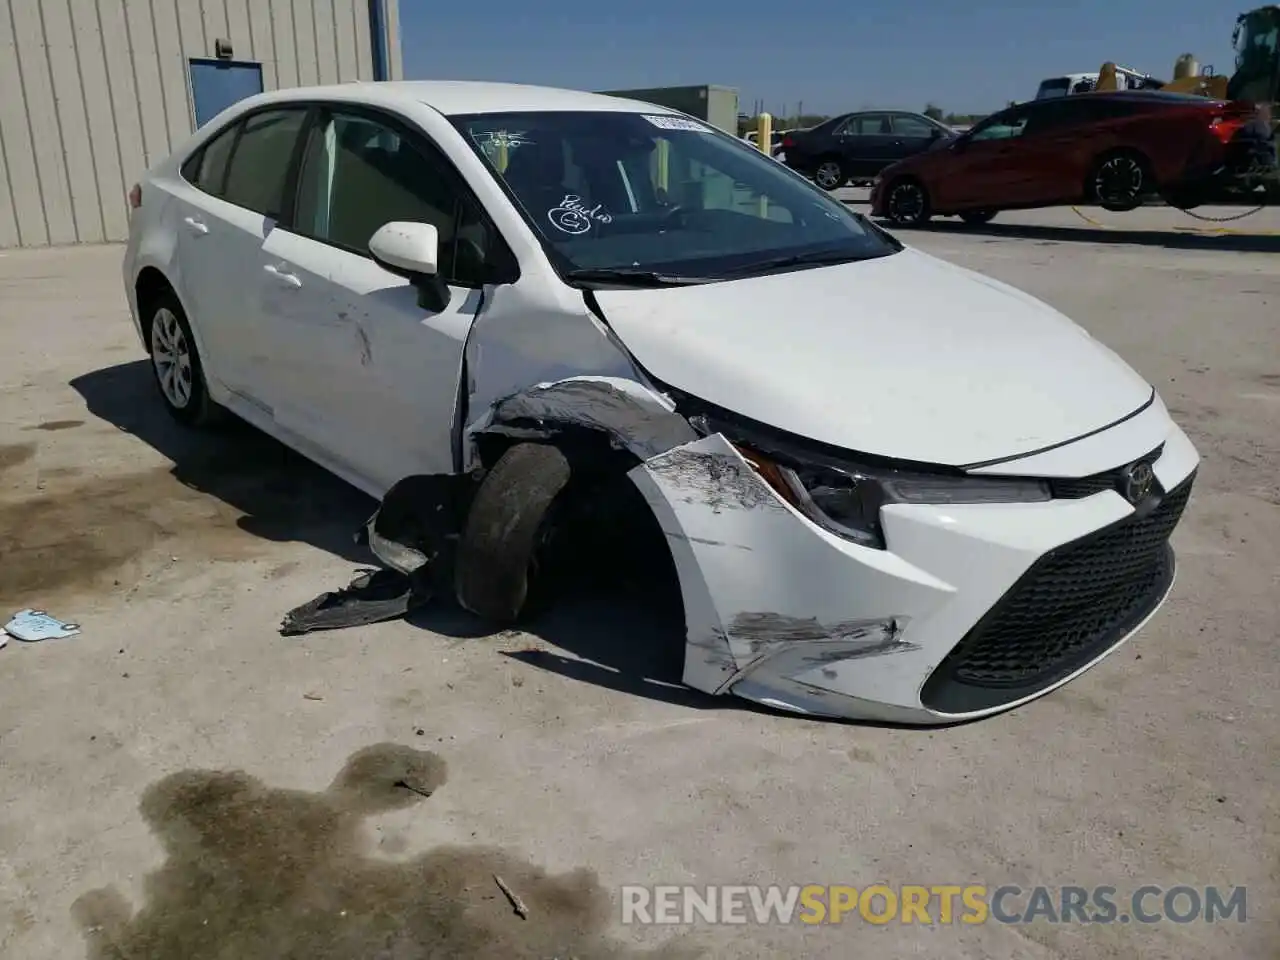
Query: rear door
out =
(238, 192)
(363, 373)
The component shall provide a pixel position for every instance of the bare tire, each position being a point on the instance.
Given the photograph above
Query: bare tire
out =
(175, 363)
(976, 218)
(506, 524)
(907, 203)
(829, 174)
(1120, 181)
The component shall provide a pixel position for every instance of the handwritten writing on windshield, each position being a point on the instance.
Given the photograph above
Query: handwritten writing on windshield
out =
(574, 216)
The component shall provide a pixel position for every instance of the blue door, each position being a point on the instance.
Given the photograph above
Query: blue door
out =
(217, 84)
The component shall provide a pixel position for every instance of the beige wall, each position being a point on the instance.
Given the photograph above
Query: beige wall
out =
(92, 92)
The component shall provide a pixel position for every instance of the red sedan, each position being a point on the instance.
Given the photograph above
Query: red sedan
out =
(1114, 149)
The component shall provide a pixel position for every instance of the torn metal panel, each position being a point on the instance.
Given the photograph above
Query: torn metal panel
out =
(769, 598)
(635, 417)
(417, 522)
(527, 335)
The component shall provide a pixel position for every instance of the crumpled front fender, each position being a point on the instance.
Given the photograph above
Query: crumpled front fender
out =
(766, 591)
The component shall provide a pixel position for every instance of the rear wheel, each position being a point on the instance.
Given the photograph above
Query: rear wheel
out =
(829, 174)
(908, 203)
(977, 217)
(175, 362)
(1120, 181)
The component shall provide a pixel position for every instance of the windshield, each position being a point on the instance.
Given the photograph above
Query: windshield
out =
(1256, 39)
(1053, 88)
(661, 193)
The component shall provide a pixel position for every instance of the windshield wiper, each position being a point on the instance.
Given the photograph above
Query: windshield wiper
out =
(631, 277)
(799, 260)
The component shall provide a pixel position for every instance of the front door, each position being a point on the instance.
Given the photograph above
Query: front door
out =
(911, 135)
(365, 374)
(990, 169)
(866, 143)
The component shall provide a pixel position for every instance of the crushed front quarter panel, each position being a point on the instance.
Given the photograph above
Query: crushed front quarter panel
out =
(763, 585)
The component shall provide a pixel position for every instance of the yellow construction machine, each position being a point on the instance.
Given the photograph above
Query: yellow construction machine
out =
(1256, 75)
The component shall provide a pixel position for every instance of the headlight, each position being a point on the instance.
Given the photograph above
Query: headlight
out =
(847, 501)
(846, 498)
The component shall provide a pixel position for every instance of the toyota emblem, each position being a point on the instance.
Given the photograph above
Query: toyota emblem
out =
(1139, 478)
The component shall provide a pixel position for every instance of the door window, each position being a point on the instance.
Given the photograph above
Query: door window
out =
(359, 174)
(866, 125)
(905, 125)
(260, 163)
(207, 169)
(1001, 127)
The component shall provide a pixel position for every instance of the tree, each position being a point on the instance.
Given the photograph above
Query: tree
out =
(933, 112)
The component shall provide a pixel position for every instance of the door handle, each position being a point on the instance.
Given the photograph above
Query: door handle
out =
(288, 279)
(196, 226)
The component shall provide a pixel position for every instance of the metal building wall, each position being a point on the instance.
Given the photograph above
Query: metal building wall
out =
(92, 92)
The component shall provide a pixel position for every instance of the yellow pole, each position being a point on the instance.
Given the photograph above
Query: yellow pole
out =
(503, 154)
(764, 141)
(664, 165)
(764, 132)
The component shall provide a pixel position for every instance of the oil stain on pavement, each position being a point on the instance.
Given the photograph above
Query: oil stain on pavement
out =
(260, 873)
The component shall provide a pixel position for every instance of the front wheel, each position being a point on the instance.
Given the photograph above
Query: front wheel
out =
(1120, 181)
(976, 218)
(829, 174)
(510, 519)
(908, 203)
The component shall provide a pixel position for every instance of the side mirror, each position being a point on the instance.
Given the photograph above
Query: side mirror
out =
(412, 250)
(935, 133)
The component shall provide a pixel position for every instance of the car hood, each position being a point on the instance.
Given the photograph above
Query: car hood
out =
(905, 356)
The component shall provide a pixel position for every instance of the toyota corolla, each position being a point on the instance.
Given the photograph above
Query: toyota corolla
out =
(891, 488)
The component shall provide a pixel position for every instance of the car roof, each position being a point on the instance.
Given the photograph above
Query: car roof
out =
(453, 97)
(1123, 96)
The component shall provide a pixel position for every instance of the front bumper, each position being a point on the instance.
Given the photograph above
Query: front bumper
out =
(971, 610)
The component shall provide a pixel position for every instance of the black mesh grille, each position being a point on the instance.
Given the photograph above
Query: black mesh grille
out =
(1072, 605)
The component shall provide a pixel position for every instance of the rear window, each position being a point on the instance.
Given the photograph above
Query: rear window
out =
(207, 168)
(260, 165)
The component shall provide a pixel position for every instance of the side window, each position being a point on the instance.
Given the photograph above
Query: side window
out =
(260, 164)
(206, 169)
(1001, 127)
(847, 127)
(905, 125)
(359, 174)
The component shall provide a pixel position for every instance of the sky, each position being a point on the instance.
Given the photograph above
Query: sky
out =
(831, 56)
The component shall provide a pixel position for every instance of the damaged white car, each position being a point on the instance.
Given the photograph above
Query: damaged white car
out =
(891, 488)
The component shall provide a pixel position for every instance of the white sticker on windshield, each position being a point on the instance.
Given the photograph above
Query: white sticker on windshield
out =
(574, 216)
(675, 123)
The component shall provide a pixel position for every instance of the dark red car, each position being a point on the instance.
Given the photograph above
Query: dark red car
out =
(1114, 149)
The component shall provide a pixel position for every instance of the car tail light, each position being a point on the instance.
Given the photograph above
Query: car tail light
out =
(1224, 129)
(788, 142)
(135, 197)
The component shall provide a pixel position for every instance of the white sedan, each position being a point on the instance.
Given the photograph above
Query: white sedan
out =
(891, 488)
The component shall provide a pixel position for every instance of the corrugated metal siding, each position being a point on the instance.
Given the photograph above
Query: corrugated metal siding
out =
(92, 92)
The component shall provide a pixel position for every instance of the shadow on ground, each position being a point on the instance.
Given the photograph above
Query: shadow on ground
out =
(614, 607)
(1242, 242)
(282, 495)
(261, 873)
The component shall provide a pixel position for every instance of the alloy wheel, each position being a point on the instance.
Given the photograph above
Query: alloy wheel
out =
(1119, 180)
(828, 175)
(171, 356)
(906, 203)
